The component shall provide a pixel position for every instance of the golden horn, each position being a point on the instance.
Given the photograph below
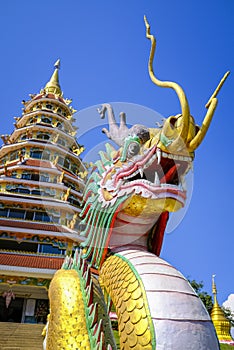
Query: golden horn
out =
(218, 88)
(169, 84)
(211, 105)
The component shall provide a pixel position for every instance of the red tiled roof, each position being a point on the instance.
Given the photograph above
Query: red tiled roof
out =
(38, 162)
(10, 164)
(31, 162)
(31, 261)
(33, 225)
(51, 96)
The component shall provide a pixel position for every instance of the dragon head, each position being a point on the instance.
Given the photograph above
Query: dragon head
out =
(142, 181)
(152, 163)
(147, 168)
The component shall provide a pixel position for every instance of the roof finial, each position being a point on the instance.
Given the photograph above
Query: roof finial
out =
(57, 64)
(53, 86)
(214, 289)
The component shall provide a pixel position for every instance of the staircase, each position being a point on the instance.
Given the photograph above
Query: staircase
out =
(20, 336)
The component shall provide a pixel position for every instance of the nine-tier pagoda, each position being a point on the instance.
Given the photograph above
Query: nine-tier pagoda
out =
(41, 182)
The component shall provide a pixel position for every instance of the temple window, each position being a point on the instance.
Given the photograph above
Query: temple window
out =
(37, 192)
(67, 163)
(36, 153)
(74, 168)
(23, 137)
(70, 184)
(14, 155)
(44, 177)
(60, 160)
(46, 120)
(35, 176)
(61, 142)
(29, 215)
(26, 176)
(16, 213)
(19, 246)
(43, 136)
(49, 106)
(14, 174)
(74, 200)
(39, 154)
(17, 189)
(4, 212)
(42, 216)
(48, 248)
(23, 190)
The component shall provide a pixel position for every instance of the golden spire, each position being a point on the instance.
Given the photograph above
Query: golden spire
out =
(53, 84)
(221, 323)
(214, 289)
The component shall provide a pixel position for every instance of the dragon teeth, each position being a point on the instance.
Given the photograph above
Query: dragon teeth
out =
(141, 172)
(156, 179)
(176, 157)
(159, 155)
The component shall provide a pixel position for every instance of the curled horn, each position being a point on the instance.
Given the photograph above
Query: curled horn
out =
(169, 84)
(211, 106)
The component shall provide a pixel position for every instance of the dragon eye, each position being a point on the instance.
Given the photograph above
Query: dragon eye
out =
(130, 148)
(133, 149)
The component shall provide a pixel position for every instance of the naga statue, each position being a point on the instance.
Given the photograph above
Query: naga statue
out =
(127, 201)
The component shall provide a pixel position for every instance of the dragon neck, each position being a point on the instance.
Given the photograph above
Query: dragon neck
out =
(99, 223)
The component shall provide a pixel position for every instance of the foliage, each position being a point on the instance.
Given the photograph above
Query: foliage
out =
(229, 315)
(204, 296)
(116, 335)
(226, 347)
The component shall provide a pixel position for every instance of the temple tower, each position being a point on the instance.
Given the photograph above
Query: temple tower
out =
(41, 184)
(221, 323)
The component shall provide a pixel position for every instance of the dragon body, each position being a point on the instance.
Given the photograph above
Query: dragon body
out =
(127, 201)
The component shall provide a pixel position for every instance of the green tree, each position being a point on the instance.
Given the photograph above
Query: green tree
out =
(229, 315)
(226, 347)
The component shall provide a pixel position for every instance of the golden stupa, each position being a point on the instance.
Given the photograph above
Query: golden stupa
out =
(221, 323)
(53, 85)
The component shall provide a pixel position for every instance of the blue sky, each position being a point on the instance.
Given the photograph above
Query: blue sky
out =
(104, 54)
